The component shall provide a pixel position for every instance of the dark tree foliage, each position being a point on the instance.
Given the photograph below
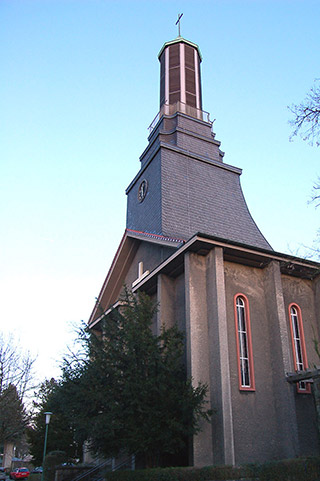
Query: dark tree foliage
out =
(306, 120)
(60, 432)
(13, 417)
(129, 390)
(15, 380)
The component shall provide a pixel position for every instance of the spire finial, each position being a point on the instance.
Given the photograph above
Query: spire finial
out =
(178, 22)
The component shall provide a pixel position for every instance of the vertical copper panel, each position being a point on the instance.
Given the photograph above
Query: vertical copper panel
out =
(189, 56)
(174, 79)
(190, 81)
(190, 74)
(191, 100)
(174, 55)
(174, 73)
(173, 98)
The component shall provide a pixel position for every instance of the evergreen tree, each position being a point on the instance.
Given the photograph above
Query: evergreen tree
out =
(60, 433)
(13, 416)
(129, 390)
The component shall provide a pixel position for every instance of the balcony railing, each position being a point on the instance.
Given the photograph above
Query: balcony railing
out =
(179, 107)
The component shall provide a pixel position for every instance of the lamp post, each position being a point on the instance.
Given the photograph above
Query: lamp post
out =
(48, 416)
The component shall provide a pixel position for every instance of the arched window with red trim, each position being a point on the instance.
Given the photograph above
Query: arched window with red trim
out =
(244, 343)
(298, 345)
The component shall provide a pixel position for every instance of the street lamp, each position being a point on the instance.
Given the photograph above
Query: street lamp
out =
(48, 416)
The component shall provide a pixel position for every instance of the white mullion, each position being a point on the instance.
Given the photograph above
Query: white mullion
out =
(182, 74)
(166, 75)
(197, 71)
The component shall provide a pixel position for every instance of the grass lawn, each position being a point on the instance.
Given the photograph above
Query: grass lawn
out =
(34, 477)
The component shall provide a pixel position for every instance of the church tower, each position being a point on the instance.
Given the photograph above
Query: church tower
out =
(191, 244)
(183, 186)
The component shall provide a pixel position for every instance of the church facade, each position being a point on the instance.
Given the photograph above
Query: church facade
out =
(249, 314)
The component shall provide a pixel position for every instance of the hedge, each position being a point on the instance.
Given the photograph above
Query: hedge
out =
(299, 469)
(178, 474)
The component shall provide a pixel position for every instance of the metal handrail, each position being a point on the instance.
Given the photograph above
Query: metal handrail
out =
(171, 109)
(96, 469)
(91, 470)
(126, 461)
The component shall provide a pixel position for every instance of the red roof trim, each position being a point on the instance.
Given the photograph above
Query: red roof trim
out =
(158, 236)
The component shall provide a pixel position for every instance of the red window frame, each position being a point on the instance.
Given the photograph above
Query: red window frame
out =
(303, 352)
(251, 385)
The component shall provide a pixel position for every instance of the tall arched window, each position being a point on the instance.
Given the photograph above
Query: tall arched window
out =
(244, 345)
(298, 345)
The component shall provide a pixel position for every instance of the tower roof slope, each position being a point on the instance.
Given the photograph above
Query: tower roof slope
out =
(199, 195)
(180, 40)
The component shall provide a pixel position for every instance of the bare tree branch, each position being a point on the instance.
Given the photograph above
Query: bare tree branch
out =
(15, 366)
(306, 121)
(315, 196)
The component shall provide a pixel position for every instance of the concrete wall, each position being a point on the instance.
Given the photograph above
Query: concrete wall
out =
(151, 255)
(274, 421)
(197, 343)
(8, 453)
(251, 410)
(301, 292)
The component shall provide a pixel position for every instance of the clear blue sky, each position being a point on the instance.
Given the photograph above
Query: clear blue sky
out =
(79, 87)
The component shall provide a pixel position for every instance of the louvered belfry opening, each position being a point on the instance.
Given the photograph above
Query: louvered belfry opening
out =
(174, 74)
(180, 81)
(190, 76)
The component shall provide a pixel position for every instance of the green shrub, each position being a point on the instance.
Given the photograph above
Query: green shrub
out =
(34, 477)
(52, 460)
(300, 469)
(177, 474)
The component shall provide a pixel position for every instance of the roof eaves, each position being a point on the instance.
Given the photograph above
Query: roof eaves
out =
(180, 40)
(270, 252)
(219, 242)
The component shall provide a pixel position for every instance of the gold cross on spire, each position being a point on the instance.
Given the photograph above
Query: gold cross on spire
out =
(178, 22)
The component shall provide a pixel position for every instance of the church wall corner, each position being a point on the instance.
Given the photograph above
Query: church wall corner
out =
(197, 346)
